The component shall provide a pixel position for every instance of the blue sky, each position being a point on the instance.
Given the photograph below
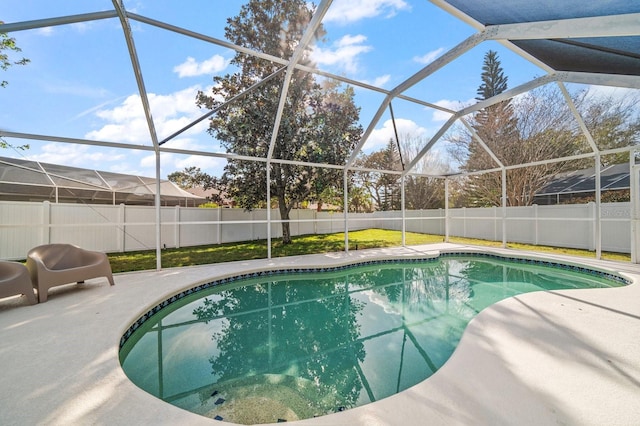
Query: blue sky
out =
(80, 83)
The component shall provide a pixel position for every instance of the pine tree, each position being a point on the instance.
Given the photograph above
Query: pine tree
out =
(496, 126)
(494, 81)
(384, 188)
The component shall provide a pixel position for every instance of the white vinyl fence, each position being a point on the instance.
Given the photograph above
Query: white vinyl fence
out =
(24, 225)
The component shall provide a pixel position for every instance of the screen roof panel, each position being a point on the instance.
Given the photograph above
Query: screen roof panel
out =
(498, 12)
(611, 55)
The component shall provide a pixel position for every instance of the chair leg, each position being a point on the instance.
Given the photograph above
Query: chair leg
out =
(42, 296)
(31, 297)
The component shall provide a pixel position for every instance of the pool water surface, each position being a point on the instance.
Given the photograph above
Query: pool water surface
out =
(289, 346)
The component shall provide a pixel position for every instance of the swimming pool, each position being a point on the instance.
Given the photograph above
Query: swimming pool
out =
(289, 344)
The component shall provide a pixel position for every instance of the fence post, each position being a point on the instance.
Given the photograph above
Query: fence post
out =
(446, 210)
(315, 222)
(219, 225)
(176, 225)
(591, 206)
(121, 231)
(464, 222)
(495, 223)
(536, 238)
(45, 234)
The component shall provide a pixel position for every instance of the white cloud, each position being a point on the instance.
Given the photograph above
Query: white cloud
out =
(346, 11)
(76, 155)
(380, 137)
(45, 31)
(96, 108)
(382, 80)
(191, 68)
(81, 27)
(127, 122)
(379, 81)
(429, 56)
(452, 105)
(343, 53)
(170, 162)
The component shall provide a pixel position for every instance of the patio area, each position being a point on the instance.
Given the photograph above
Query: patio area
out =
(562, 357)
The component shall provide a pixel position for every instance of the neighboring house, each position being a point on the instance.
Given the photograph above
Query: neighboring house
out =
(580, 186)
(27, 180)
(210, 195)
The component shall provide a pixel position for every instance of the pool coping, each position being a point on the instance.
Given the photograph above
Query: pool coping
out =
(60, 358)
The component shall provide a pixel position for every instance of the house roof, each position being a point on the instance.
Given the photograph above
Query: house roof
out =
(613, 177)
(35, 181)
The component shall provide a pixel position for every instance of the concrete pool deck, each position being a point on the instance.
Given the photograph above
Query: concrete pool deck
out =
(562, 357)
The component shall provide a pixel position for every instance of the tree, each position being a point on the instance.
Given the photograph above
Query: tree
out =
(613, 122)
(537, 126)
(548, 130)
(496, 127)
(8, 45)
(494, 81)
(423, 192)
(360, 200)
(190, 177)
(319, 123)
(384, 188)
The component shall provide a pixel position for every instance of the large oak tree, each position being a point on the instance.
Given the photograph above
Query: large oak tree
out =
(319, 123)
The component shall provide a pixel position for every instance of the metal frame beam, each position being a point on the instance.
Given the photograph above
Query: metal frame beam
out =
(600, 26)
(135, 63)
(216, 109)
(61, 20)
(308, 35)
(434, 66)
(612, 80)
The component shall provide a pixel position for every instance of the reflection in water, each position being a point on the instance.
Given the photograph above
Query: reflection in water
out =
(297, 346)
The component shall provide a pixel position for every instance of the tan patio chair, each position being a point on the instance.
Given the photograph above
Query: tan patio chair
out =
(51, 265)
(14, 279)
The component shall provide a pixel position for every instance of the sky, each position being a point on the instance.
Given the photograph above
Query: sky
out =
(80, 82)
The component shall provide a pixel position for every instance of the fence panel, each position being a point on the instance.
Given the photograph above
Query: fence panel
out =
(481, 223)
(139, 229)
(330, 222)
(425, 221)
(616, 235)
(24, 225)
(94, 226)
(234, 232)
(21, 228)
(569, 225)
(198, 226)
(521, 224)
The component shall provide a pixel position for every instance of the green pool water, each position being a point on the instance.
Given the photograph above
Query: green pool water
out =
(299, 345)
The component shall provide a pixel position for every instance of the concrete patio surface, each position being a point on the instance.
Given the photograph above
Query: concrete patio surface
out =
(546, 358)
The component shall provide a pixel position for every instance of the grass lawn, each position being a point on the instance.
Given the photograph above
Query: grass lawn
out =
(307, 244)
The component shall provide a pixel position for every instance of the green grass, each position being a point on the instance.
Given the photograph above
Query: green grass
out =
(307, 244)
(620, 257)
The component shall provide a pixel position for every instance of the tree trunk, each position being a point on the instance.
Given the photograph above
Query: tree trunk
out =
(284, 215)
